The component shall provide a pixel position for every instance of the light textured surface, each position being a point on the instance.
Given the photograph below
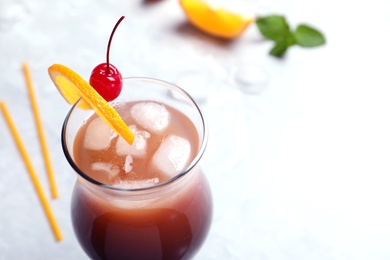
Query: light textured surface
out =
(298, 157)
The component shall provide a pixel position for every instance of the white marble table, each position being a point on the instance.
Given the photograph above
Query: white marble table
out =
(299, 148)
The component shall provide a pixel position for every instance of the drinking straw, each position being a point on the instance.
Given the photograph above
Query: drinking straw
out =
(38, 123)
(34, 178)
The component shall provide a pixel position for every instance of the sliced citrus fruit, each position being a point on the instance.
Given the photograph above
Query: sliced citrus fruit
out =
(216, 21)
(73, 87)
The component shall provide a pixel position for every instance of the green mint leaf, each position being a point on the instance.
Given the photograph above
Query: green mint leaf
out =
(273, 27)
(280, 48)
(306, 36)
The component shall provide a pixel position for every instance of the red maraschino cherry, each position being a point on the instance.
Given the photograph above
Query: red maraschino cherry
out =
(105, 77)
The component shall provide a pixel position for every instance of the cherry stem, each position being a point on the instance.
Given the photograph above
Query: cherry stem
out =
(109, 44)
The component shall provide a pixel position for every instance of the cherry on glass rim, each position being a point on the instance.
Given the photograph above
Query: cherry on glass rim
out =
(105, 77)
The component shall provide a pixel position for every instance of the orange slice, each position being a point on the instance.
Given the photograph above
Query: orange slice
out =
(216, 21)
(73, 87)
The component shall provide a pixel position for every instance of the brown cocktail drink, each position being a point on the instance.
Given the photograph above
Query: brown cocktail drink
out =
(148, 200)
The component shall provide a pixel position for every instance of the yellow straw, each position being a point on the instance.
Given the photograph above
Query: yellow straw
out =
(33, 175)
(45, 152)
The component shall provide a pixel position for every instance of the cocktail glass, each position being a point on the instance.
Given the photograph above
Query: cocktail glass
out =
(169, 220)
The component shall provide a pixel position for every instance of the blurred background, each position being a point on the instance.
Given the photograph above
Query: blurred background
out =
(298, 154)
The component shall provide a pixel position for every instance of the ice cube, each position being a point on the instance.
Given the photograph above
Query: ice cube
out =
(152, 116)
(107, 168)
(138, 148)
(128, 167)
(172, 155)
(98, 135)
(124, 181)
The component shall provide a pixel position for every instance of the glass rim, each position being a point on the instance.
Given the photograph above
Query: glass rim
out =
(186, 170)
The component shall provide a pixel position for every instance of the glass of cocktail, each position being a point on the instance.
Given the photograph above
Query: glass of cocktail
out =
(148, 200)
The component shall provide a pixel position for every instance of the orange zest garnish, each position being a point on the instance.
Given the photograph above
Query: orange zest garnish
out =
(73, 87)
(216, 21)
